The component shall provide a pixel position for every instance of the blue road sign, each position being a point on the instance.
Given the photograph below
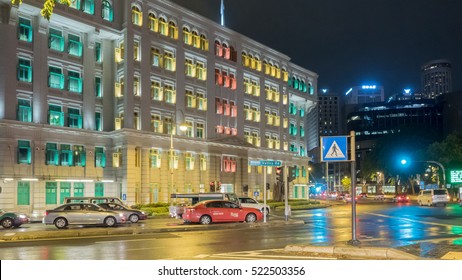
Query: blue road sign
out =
(334, 148)
(265, 163)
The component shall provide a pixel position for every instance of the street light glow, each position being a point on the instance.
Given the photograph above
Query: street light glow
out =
(403, 161)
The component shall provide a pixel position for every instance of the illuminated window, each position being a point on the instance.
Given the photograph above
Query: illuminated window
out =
(189, 129)
(292, 129)
(98, 122)
(187, 36)
(204, 43)
(154, 156)
(172, 30)
(107, 12)
(74, 46)
(66, 156)
(229, 164)
(25, 32)
(200, 130)
(24, 70)
(99, 189)
(218, 49)
(201, 71)
(189, 161)
(190, 99)
(156, 91)
(55, 115)
(136, 86)
(51, 154)
(137, 16)
(190, 68)
(100, 157)
(169, 61)
(56, 40)
(203, 162)
(24, 152)
(98, 87)
(79, 155)
(98, 52)
(23, 193)
(136, 51)
(163, 28)
(24, 111)
(155, 57)
(75, 4)
(74, 81)
(172, 160)
(195, 39)
(74, 118)
(201, 102)
(170, 94)
(153, 23)
(302, 131)
(156, 124)
(88, 6)
(292, 109)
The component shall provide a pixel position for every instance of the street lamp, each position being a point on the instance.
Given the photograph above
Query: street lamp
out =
(404, 162)
(183, 127)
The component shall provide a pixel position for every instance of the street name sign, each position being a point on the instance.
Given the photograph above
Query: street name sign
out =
(265, 162)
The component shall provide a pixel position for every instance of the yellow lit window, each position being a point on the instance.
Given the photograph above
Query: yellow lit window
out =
(169, 62)
(136, 51)
(286, 146)
(157, 92)
(170, 94)
(172, 30)
(189, 161)
(267, 68)
(201, 72)
(247, 86)
(172, 160)
(153, 23)
(285, 123)
(203, 162)
(187, 36)
(163, 27)
(277, 143)
(196, 39)
(277, 96)
(259, 65)
(190, 68)
(136, 86)
(137, 16)
(201, 102)
(204, 43)
(190, 99)
(154, 157)
(156, 124)
(277, 120)
(156, 58)
(245, 60)
(285, 99)
(285, 75)
(256, 115)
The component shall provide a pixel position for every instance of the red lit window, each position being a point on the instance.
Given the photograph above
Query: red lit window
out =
(233, 131)
(218, 49)
(219, 106)
(227, 53)
(218, 78)
(219, 129)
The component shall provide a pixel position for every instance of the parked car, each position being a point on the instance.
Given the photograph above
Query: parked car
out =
(401, 198)
(460, 202)
(379, 196)
(11, 219)
(131, 215)
(252, 203)
(347, 198)
(82, 214)
(214, 211)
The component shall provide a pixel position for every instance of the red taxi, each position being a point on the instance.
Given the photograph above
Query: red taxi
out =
(217, 211)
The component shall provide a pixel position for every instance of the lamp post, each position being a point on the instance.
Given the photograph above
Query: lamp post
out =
(404, 162)
(183, 127)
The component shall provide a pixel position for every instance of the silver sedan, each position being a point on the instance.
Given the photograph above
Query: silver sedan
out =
(82, 214)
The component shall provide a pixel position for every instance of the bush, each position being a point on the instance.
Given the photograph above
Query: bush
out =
(155, 211)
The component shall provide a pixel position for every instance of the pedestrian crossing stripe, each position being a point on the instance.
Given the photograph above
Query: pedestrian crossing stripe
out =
(334, 151)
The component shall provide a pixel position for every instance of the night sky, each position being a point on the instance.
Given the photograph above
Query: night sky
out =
(351, 42)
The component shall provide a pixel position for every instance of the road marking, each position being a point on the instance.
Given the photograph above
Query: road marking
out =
(262, 254)
(452, 256)
(411, 220)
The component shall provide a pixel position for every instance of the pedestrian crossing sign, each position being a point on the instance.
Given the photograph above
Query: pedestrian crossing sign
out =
(334, 148)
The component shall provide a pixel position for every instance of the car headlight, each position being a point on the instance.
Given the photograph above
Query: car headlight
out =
(143, 213)
(22, 216)
(121, 214)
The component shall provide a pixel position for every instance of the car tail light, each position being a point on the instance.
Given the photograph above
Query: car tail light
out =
(46, 213)
(407, 197)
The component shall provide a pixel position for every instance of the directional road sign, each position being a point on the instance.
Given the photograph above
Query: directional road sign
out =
(265, 162)
(334, 148)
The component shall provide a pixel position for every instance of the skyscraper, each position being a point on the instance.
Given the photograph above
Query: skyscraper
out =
(436, 78)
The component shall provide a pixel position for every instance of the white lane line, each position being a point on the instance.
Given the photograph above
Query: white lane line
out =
(411, 220)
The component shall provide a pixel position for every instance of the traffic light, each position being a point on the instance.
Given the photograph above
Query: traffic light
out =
(267, 186)
(292, 173)
(280, 173)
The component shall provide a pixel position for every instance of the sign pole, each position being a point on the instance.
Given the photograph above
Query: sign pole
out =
(264, 194)
(353, 240)
(286, 197)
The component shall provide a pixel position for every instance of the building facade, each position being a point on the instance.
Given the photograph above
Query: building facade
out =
(91, 103)
(364, 94)
(436, 77)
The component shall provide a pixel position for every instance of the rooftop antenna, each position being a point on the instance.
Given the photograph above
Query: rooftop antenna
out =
(222, 12)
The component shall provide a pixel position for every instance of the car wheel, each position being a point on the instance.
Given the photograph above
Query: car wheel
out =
(420, 202)
(205, 220)
(429, 203)
(251, 218)
(7, 223)
(110, 221)
(134, 218)
(266, 211)
(60, 223)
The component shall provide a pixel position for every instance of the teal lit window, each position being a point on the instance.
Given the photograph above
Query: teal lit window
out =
(24, 113)
(74, 118)
(106, 11)
(302, 131)
(74, 81)
(98, 122)
(100, 157)
(302, 151)
(23, 193)
(302, 112)
(88, 6)
(292, 109)
(311, 88)
(75, 4)
(292, 129)
(303, 171)
(99, 189)
(79, 189)
(302, 86)
(56, 40)
(51, 193)
(293, 148)
(52, 154)
(98, 52)
(24, 152)
(74, 46)
(24, 70)
(98, 87)
(66, 155)
(55, 77)
(80, 158)
(64, 191)
(55, 115)
(25, 32)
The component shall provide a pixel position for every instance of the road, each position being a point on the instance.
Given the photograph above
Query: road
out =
(425, 231)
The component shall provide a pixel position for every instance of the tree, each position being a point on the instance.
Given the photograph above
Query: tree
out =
(48, 6)
(346, 183)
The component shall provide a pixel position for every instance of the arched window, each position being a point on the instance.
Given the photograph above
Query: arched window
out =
(172, 30)
(195, 39)
(204, 43)
(153, 22)
(137, 16)
(106, 11)
(218, 48)
(163, 26)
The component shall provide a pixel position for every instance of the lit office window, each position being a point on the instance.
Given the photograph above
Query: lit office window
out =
(88, 6)
(74, 81)
(56, 40)
(55, 77)
(107, 12)
(25, 32)
(24, 70)
(51, 154)
(74, 118)
(74, 46)
(66, 157)
(98, 122)
(24, 152)
(100, 157)
(79, 155)
(24, 111)
(55, 115)
(137, 16)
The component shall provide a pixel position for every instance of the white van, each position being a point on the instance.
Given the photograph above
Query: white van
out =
(433, 197)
